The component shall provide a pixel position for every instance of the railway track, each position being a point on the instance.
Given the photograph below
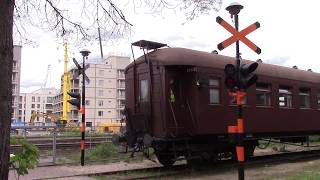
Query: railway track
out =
(218, 167)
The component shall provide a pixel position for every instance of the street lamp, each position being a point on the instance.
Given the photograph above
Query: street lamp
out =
(85, 52)
(234, 8)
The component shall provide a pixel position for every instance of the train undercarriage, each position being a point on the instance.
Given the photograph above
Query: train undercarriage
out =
(197, 150)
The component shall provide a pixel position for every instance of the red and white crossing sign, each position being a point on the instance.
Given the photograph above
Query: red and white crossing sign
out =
(236, 35)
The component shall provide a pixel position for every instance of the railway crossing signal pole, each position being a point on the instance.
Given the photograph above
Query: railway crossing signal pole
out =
(76, 102)
(239, 78)
(84, 54)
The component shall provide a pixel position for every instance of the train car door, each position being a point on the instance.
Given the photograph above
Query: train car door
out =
(140, 119)
(178, 99)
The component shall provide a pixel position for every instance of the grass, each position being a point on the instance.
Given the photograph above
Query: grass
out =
(309, 172)
(107, 153)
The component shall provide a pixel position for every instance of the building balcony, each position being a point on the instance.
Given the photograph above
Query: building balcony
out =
(120, 106)
(121, 86)
(14, 104)
(14, 81)
(120, 77)
(14, 91)
(121, 97)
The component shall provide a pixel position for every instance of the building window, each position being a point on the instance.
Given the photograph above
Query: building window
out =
(100, 103)
(214, 95)
(49, 99)
(87, 102)
(88, 124)
(285, 97)
(100, 82)
(304, 96)
(143, 97)
(38, 106)
(38, 99)
(100, 92)
(263, 94)
(101, 72)
(33, 99)
(33, 106)
(100, 113)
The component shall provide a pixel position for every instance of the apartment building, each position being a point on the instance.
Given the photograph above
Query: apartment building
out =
(16, 72)
(38, 101)
(105, 93)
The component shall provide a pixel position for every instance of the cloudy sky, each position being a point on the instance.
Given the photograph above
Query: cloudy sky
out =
(288, 36)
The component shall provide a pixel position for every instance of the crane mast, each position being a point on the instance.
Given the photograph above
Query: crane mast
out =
(66, 87)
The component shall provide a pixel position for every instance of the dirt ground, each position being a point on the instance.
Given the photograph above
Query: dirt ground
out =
(267, 172)
(284, 171)
(304, 169)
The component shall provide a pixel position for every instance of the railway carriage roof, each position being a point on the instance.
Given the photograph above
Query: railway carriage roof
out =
(182, 56)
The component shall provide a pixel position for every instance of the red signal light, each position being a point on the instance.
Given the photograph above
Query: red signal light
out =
(230, 76)
(230, 82)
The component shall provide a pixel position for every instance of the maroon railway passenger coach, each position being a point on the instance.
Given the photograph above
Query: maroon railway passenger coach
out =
(177, 103)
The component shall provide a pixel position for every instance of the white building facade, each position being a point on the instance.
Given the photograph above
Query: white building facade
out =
(105, 93)
(16, 73)
(38, 101)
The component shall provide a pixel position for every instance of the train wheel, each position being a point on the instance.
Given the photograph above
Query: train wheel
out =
(165, 158)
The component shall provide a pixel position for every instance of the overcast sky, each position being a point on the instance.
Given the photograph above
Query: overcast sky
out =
(288, 36)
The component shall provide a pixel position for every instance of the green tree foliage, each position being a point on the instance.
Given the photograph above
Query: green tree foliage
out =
(25, 158)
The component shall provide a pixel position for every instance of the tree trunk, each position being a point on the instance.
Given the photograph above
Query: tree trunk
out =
(6, 59)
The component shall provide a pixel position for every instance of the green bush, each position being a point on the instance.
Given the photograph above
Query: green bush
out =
(25, 157)
(102, 151)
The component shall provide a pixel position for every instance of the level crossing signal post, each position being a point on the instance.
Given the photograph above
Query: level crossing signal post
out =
(238, 78)
(80, 99)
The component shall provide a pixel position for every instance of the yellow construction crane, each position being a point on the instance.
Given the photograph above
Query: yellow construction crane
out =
(66, 87)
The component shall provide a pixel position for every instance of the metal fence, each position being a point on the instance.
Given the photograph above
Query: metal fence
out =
(56, 143)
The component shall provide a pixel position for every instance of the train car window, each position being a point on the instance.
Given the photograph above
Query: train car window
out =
(214, 94)
(263, 94)
(304, 96)
(285, 97)
(143, 97)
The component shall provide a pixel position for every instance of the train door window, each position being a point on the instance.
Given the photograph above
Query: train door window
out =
(263, 94)
(318, 98)
(304, 97)
(214, 94)
(143, 97)
(285, 97)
